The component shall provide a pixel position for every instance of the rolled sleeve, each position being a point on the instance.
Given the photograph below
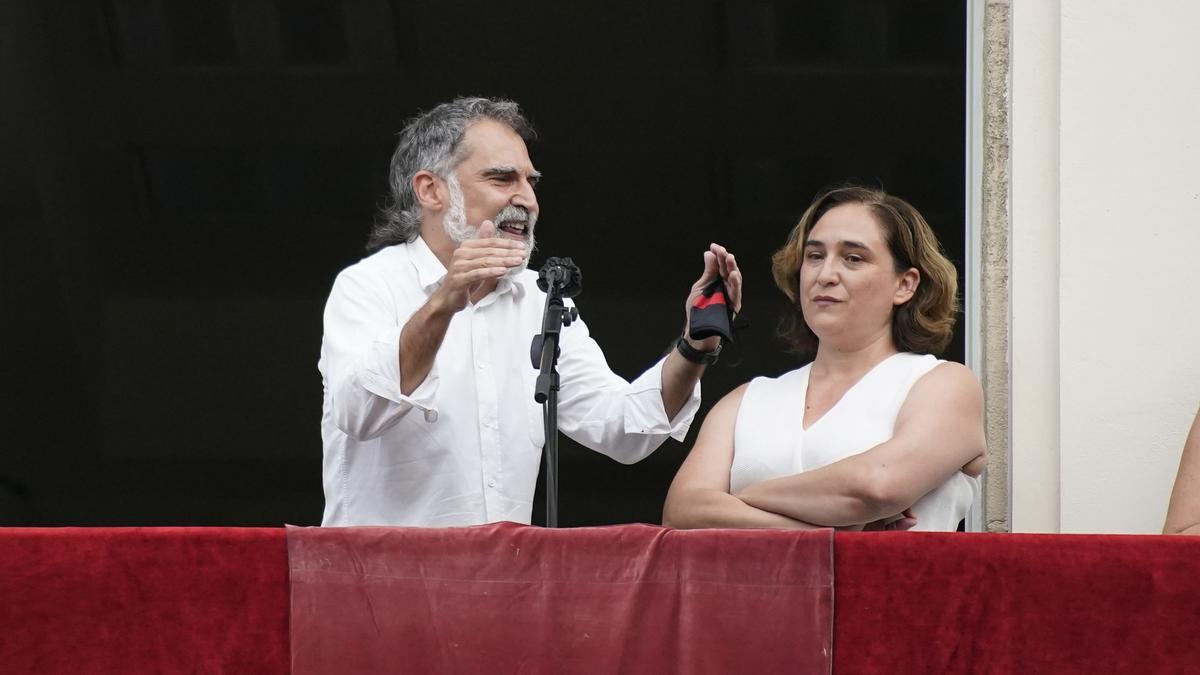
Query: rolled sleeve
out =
(380, 375)
(602, 411)
(360, 358)
(644, 411)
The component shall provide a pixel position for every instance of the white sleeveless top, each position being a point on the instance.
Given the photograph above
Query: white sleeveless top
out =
(769, 439)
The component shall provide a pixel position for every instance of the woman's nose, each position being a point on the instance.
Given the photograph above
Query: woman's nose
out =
(828, 273)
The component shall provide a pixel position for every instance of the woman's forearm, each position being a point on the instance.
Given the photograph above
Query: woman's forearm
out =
(707, 508)
(1183, 511)
(840, 494)
(1194, 528)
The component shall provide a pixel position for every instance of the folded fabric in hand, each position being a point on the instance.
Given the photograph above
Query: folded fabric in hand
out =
(710, 313)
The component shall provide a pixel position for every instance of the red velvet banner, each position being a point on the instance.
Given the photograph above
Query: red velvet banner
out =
(507, 598)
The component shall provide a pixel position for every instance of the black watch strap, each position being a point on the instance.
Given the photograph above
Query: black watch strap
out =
(694, 355)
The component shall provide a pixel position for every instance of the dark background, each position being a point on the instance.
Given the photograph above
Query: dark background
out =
(180, 180)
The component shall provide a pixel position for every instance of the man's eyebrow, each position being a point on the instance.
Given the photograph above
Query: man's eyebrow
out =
(498, 171)
(507, 171)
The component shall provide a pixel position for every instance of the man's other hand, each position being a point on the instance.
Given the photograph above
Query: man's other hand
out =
(717, 261)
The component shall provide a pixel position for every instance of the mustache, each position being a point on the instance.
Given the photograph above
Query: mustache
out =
(514, 213)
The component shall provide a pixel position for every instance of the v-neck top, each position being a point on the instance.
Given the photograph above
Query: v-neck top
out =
(770, 440)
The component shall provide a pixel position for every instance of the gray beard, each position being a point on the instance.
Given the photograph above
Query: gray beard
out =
(456, 227)
(455, 222)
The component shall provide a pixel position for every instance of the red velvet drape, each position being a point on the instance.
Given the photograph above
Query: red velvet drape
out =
(1016, 603)
(143, 600)
(511, 599)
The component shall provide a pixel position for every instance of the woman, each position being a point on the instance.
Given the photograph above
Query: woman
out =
(875, 432)
(1183, 515)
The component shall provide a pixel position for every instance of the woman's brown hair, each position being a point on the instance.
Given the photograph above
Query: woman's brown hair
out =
(922, 325)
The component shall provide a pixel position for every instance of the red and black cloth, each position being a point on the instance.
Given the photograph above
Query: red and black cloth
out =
(711, 314)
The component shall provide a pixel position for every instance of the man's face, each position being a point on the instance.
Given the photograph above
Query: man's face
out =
(494, 182)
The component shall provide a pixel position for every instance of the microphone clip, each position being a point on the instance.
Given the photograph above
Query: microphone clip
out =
(560, 276)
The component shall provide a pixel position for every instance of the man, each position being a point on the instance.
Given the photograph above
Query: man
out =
(429, 417)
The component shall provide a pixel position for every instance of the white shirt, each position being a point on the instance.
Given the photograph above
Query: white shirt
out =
(463, 448)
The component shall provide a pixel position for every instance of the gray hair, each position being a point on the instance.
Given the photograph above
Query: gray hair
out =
(431, 142)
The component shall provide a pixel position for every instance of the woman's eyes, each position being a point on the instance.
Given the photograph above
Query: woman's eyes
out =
(851, 258)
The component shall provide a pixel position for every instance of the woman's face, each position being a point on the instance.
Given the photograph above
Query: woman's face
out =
(848, 280)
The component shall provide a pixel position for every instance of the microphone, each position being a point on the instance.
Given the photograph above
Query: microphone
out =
(563, 273)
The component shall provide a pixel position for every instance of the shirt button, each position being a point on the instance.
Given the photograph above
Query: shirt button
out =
(492, 483)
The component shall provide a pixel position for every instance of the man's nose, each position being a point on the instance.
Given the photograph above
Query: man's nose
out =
(525, 196)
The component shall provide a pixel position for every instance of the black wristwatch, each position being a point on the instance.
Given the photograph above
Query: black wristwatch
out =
(694, 355)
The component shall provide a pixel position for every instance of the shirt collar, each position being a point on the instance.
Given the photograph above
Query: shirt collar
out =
(431, 271)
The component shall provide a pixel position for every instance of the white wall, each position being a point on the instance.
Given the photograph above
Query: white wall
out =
(1105, 181)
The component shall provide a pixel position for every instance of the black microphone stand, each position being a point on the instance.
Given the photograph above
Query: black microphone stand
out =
(544, 355)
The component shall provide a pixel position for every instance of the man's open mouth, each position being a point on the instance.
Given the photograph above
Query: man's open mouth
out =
(516, 228)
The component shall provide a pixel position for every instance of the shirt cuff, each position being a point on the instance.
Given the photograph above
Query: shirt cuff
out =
(381, 376)
(644, 407)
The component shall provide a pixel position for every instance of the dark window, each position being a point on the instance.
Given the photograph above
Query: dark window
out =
(186, 204)
(200, 33)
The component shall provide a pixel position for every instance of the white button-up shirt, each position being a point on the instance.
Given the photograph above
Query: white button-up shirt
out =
(464, 447)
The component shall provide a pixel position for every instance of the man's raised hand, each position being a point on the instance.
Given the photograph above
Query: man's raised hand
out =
(477, 263)
(717, 262)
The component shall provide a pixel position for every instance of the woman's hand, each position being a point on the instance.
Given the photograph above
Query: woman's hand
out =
(907, 520)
